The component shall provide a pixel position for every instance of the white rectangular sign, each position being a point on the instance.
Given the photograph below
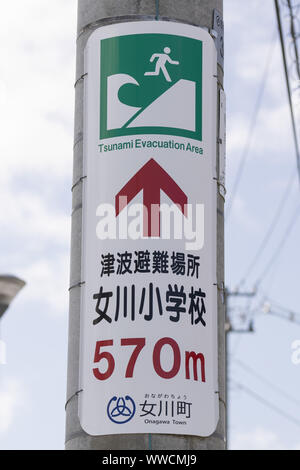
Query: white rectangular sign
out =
(148, 359)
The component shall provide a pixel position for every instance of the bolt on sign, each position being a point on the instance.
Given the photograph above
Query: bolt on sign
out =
(148, 357)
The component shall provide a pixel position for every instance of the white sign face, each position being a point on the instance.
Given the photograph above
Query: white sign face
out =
(148, 359)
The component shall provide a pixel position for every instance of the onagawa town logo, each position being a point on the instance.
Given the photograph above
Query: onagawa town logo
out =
(120, 410)
(151, 84)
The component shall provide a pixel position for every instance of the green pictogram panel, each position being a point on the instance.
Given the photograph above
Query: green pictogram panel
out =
(151, 84)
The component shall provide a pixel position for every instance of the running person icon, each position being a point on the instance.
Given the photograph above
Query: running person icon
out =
(161, 63)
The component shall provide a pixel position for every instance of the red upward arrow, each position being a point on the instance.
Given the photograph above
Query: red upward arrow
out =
(151, 178)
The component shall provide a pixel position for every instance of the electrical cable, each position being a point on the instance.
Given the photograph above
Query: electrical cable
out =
(294, 37)
(279, 248)
(280, 307)
(297, 149)
(266, 381)
(270, 230)
(253, 121)
(265, 402)
(291, 317)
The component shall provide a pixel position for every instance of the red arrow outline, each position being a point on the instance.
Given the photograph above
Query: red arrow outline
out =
(151, 178)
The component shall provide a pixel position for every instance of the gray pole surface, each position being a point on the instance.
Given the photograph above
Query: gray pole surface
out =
(91, 15)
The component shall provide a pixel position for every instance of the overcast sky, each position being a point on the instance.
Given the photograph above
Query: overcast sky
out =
(37, 71)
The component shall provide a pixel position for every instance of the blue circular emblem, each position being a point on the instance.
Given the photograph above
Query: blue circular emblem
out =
(121, 410)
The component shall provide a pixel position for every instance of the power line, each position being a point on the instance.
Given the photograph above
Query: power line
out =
(245, 152)
(280, 246)
(273, 259)
(294, 36)
(297, 149)
(276, 254)
(265, 402)
(270, 230)
(277, 305)
(266, 381)
(271, 307)
(291, 317)
(289, 185)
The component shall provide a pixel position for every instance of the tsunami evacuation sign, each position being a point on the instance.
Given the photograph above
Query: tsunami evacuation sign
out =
(148, 339)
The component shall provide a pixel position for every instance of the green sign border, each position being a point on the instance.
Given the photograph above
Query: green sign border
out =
(106, 134)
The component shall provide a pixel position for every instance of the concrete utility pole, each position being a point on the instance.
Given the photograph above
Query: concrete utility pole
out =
(230, 328)
(93, 14)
